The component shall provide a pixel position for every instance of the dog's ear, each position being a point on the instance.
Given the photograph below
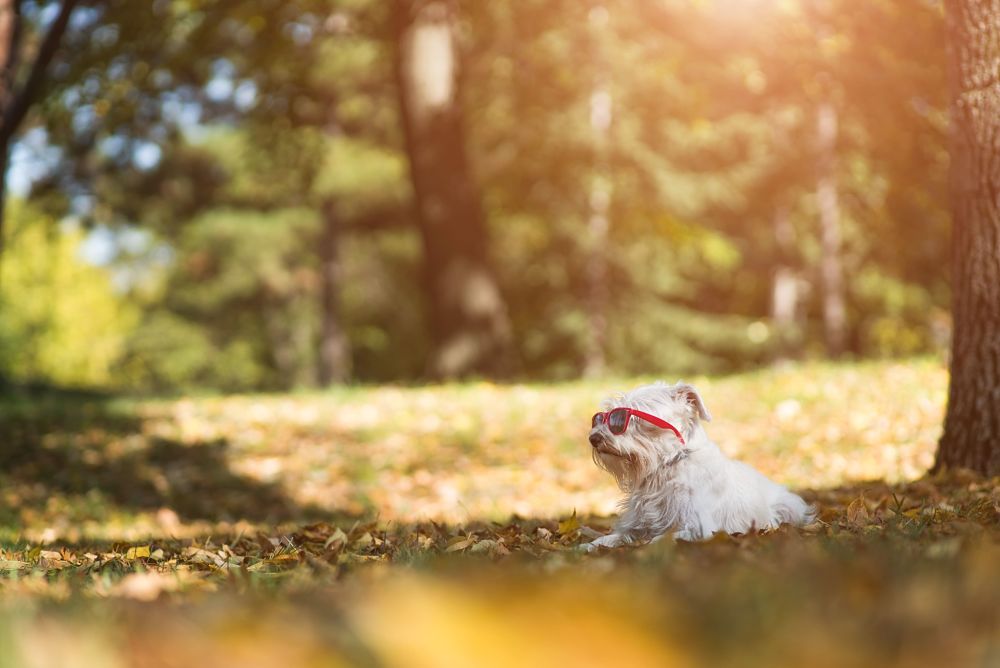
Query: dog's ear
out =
(687, 393)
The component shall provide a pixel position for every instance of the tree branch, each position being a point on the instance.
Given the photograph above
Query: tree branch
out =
(16, 110)
(10, 32)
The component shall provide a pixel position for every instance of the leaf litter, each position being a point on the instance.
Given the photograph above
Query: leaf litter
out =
(899, 571)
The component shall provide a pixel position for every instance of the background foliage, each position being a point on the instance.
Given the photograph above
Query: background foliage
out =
(45, 333)
(205, 146)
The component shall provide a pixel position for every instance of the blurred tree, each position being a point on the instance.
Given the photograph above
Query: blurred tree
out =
(843, 189)
(598, 224)
(972, 424)
(244, 317)
(22, 78)
(63, 322)
(828, 202)
(301, 80)
(325, 107)
(709, 170)
(257, 291)
(467, 314)
(676, 160)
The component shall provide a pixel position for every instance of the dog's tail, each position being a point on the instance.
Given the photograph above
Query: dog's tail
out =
(791, 508)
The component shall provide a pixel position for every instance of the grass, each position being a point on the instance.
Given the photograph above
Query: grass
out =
(437, 526)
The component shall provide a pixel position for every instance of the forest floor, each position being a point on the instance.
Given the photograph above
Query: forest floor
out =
(437, 526)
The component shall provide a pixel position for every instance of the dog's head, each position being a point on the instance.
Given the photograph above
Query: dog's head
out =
(644, 446)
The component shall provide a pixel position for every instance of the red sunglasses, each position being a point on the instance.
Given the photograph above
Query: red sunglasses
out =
(617, 420)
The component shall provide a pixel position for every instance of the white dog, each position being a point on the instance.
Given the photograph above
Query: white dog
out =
(651, 440)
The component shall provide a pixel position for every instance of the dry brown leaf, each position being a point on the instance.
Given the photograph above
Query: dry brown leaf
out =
(460, 544)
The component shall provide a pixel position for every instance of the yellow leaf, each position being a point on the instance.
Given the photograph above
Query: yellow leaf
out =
(138, 552)
(569, 525)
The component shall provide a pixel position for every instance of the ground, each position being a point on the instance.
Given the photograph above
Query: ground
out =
(437, 526)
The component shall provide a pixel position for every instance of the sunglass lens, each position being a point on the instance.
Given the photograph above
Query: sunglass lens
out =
(597, 419)
(617, 421)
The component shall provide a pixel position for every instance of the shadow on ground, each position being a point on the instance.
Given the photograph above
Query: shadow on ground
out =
(74, 457)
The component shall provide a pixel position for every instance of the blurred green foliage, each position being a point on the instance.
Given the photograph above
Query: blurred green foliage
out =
(63, 319)
(287, 117)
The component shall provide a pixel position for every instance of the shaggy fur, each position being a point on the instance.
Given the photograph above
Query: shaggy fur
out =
(693, 489)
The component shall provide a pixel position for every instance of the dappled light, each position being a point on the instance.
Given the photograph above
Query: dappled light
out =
(332, 333)
(450, 454)
(418, 526)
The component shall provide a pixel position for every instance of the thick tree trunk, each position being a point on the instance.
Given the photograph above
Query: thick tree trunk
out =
(831, 269)
(334, 349)
(467, 315)
(972, 424)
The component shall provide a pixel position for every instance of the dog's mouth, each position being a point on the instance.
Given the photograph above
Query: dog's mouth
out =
(605, 449)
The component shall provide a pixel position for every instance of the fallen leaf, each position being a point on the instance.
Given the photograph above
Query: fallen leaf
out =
(569, 525)
(460, 544)
(336, 541)
(138, 552)
(6, 565)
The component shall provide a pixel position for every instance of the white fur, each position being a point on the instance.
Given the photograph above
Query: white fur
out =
(693, 490)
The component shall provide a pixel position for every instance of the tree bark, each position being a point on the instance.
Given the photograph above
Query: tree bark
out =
(282, 343)
(831, 269)
(334, 349)
(466, 312)
(10, 46)
(599, 223)
(785, 287)
(14, 104)
(971, 436)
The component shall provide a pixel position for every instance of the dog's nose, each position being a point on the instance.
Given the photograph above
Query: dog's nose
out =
(595, 439)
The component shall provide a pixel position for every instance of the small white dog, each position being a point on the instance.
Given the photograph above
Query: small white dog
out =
(651, 440)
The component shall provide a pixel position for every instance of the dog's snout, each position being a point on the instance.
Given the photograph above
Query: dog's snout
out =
(596, 439)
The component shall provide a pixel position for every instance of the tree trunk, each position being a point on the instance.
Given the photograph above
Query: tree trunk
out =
(599, 223)
(14, 104)
(4, 162)
(10, 43)
(282, 343)
(831, 270)
(467, 315)
(971, 436)
(785, 288)
(334, 349)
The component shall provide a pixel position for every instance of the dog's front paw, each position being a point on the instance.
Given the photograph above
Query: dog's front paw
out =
(691, 535)
(683, 534)
(610, 540)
